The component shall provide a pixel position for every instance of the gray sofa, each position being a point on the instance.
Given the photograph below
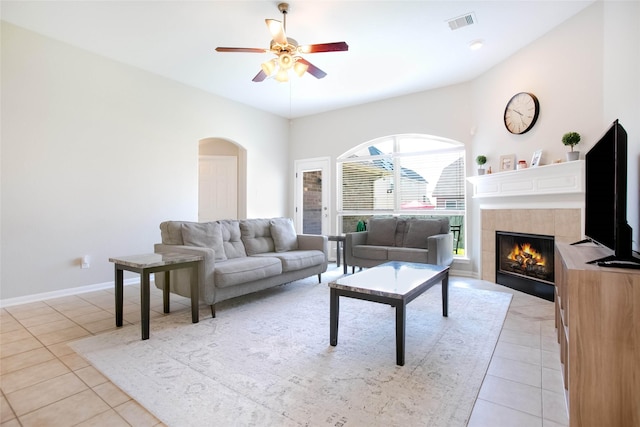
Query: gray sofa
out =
(426, 241)
(241, 256)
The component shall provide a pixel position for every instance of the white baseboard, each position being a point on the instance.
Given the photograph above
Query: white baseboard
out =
(8, 302)
(464, 273)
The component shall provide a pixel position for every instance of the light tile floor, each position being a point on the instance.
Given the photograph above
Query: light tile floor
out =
(44, 383)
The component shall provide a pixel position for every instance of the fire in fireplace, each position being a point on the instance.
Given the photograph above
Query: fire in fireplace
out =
(525, 262)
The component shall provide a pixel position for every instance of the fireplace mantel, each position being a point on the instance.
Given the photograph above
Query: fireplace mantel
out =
(558, 178)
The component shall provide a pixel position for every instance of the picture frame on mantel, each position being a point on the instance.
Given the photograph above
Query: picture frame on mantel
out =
(536, 159)
(507, 162)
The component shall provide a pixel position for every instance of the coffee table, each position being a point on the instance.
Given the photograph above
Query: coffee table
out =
(145, 264)
(394, 283)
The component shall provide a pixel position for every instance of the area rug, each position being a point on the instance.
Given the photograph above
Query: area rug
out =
(265, 360)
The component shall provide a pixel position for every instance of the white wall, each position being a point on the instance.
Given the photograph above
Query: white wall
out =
(570, 70)
(621, 89)
(95, 154)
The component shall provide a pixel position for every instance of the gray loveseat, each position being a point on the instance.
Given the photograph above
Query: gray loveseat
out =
(241, 256)
(426, 241)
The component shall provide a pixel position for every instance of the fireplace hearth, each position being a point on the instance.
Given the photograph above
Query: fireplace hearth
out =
(525, 262)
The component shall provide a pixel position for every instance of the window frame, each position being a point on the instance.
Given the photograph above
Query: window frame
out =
(443, 146)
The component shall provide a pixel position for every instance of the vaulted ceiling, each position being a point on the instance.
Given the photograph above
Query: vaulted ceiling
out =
(395, 47)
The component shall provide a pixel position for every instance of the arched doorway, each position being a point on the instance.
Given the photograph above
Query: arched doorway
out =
(222, 182)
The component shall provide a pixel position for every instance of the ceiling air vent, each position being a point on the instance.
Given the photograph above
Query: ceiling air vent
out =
(462, 21)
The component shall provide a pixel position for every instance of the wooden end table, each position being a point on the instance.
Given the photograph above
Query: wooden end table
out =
(340, 242)
(146, 264)
(394, 283)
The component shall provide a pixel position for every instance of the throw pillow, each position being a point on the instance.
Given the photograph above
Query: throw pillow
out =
(256, 236)
(284, 234)
(382, 231)
(204, 235)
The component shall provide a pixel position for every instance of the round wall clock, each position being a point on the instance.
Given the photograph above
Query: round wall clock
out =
(521, 112)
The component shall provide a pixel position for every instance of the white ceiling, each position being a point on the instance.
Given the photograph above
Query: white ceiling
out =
(395, 47)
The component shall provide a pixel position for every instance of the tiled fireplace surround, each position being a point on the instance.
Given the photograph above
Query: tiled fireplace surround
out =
(547, 200)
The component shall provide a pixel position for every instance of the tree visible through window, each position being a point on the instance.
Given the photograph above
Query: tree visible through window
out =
(403, 175)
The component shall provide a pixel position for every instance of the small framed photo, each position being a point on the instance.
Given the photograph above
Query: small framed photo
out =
(535, 160)
(508, 162)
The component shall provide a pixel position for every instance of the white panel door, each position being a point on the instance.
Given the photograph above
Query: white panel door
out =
(217, 188)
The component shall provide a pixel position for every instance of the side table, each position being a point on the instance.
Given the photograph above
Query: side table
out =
(340, 243)
(146, 264)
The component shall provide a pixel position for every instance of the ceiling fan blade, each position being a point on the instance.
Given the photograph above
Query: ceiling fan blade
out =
(277, 31)
(260, 77)
(241, 49)
(324, 47)
(313, 70)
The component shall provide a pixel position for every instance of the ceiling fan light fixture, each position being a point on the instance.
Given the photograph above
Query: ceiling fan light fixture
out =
(300, 68)
(285, 61)
(268, 67)
(282, 75)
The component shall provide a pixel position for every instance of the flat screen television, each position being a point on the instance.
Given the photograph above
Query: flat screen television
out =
(606, 198)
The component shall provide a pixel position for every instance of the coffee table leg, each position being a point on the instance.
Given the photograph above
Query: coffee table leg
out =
(445, 295)
(144, 304)
(400, 329)
(334, 308)
(119, 295)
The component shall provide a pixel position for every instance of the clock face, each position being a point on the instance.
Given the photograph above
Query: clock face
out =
(521, 112)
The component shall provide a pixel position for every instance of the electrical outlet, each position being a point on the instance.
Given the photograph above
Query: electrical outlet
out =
(86, 262)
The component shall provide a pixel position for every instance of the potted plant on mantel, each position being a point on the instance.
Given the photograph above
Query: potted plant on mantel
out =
(571, 139)
(481, 160)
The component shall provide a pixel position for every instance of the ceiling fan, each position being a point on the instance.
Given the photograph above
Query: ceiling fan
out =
(287, 52)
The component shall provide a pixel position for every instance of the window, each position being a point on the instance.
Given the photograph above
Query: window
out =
(402, 175)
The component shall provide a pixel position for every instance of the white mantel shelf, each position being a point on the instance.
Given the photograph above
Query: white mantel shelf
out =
(558, 178)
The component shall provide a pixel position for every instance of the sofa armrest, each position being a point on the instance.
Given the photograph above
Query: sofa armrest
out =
(440, 248)
(308, 242)
(351, 240)
(180, 281)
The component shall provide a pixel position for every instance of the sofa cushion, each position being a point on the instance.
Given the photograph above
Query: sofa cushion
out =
(256, 236)
(284, 234)
(382, 231)
(401, 230)
(231, 242)
(244, 270)
(370, 252)
(297, 260)
(408, 255)
(418, 230)
(205, 235)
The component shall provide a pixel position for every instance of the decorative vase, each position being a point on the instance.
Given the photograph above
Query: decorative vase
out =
(572, 155)
(480, 171)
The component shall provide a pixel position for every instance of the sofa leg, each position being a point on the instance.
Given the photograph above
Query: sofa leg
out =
(319, 278)
(353, 269)
(213, 311)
